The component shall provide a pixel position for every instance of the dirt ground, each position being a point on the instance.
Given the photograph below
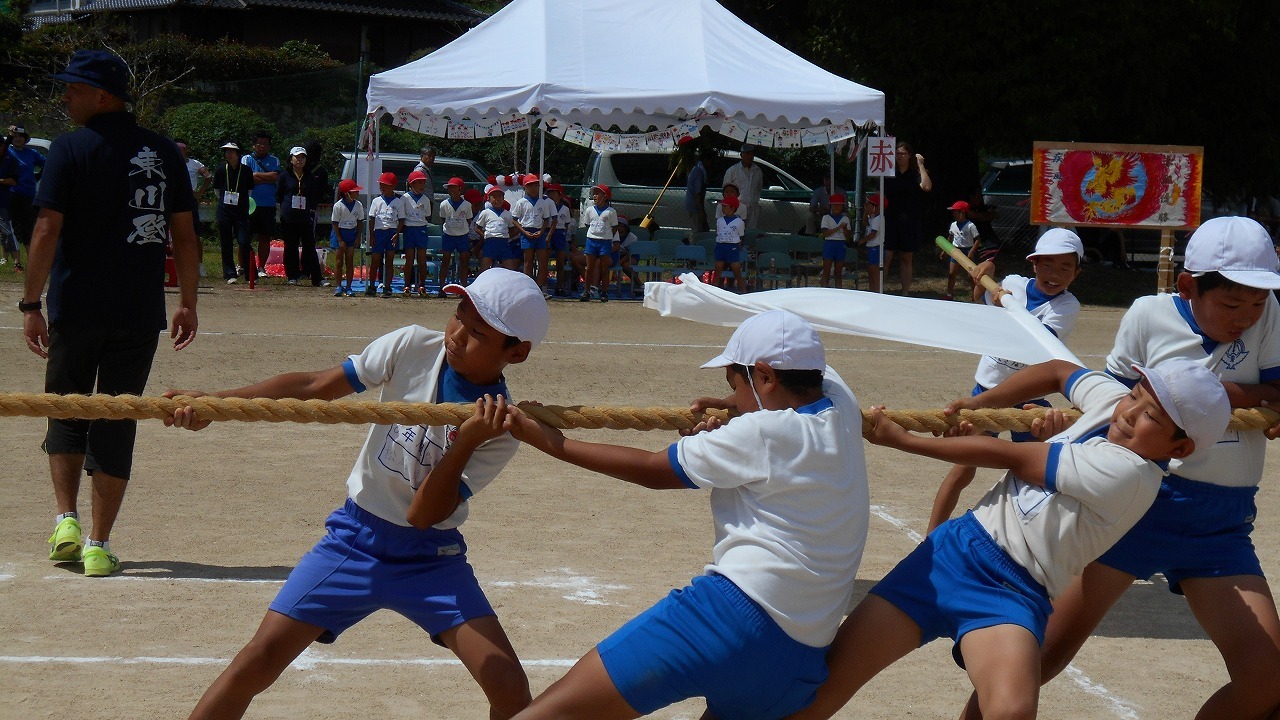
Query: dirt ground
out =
(215, 520)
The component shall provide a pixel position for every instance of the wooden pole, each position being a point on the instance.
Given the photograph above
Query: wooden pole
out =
(1164, 269)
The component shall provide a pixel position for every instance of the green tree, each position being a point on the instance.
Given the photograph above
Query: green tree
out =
(207, 126)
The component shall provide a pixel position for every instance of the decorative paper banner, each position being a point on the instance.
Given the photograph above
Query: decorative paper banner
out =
(880, 157)
(660, 140)
(835, 133)
(813, 137)
(734, 129)
(1155, 186)
(515, 124)
(407, 120)
(602, 141)
(489, 128)
(462, 130)
(760, 137)
(434, 126)
(786, 138)
(577, 135)
(633, 143)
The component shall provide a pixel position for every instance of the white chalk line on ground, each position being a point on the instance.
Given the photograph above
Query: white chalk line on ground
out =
(1119, 706)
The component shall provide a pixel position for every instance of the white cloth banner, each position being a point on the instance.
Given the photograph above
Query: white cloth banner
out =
(1010, 333)
(434, 126)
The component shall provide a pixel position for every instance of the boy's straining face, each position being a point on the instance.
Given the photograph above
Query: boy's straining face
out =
(1224, 313)
(745, 398)
(1054, 273)
(1140, 424)
(475, 350)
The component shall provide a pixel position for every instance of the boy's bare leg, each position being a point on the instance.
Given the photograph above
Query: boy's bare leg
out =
(543, 257)
(1239, 614)
(528, 263)
(1003, 662)
(742, 277)
(483, 647)
(278, 641)
(944, 503)
(1076, 613)
(876, 635)
(873, 278)
(586, 692)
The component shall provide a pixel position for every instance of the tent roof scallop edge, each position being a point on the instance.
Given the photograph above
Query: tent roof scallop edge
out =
(624, 63)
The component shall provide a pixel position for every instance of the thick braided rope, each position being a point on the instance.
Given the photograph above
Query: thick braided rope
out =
(133, 407)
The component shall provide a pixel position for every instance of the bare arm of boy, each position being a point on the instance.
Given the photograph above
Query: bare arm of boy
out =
(328, 384)
(1248, 396)
(1026, 460)
(633, 465)
(437, 497)
(1030, 382)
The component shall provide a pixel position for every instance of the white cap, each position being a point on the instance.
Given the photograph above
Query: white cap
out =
(1059, 241)
(1238, 248)
(510, 302)
(1194, 398)
(297, 150)
(231, 146)
(780, 339)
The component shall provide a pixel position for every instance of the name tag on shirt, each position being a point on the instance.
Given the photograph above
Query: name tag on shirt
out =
(597, 227)
(455, 226)
(727, 235)
(230, 198)
(347, 223)
(298, 203)
(415, 215)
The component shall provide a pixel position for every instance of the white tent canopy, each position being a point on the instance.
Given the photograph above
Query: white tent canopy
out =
(625, 63)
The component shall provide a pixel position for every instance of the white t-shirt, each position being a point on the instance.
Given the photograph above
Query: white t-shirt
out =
(730, 231)
(829, 222)
(625, 242)
(963, 237)
(531, 213)
(194, 167)
(1094, 492)
(1159, 327)
(1058, 313)
(417, 211)
(386, 214)
(494, 223)
(874, 225)
(790, 506)
(347, 217)
(748, 181)
(455, 219)
(407, 365)
(563, 217)
(600, 223)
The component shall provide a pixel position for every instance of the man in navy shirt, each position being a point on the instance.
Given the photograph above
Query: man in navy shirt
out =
(28, 159)
(8, 179)
(111, 195)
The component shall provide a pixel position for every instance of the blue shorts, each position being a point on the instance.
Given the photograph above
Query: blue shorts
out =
(415, 237)
(537, 242)
(873, 255)
(513, 249)
(1193, 530)
(342, 236)
(959, 580)
(1015, 435)
(456, 243)
(384, 241)
(711, 640)
(365, 563)
(496, 249)
(834, 250)
(728, 252)
(598, 248)
(560, 241)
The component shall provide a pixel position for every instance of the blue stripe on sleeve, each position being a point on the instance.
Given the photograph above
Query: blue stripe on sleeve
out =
(464, 491)
(1127, 382)
(673, 454)
(1266, 375)
(1073, 379)
(349, 369)
(1051, 467)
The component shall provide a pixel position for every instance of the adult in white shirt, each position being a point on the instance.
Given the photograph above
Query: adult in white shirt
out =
(749, 180)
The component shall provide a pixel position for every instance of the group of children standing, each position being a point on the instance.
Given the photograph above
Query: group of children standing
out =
(525, 235)
(1147, 480)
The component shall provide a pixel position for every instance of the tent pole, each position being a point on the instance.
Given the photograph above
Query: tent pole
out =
(528, 150)
(884, 222)
(542, 157)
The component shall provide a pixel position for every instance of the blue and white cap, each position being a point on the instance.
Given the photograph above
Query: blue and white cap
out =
(780, 339)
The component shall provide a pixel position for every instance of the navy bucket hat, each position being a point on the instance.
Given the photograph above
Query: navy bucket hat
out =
(100, 69)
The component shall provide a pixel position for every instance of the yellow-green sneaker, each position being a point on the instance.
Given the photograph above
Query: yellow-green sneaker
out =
(64, 545)
(98, 562)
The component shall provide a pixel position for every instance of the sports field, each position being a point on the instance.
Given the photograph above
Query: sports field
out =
(214, 521)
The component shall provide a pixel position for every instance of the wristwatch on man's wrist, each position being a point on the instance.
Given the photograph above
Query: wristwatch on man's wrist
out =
(33, 306)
